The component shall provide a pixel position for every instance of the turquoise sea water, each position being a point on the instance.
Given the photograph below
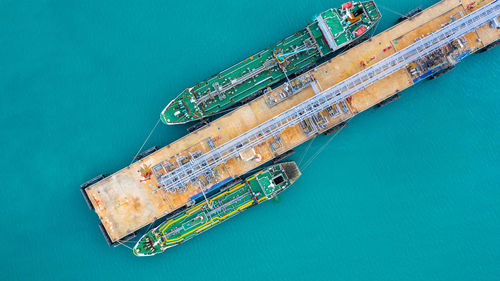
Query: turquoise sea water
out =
(410, 191)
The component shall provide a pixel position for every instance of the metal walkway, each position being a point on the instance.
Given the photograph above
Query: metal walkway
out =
(204, 165)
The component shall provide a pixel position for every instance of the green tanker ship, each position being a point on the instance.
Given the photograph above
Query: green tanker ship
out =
(215, 209)
(332, 31)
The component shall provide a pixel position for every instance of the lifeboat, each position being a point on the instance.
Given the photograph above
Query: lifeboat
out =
(346, 5)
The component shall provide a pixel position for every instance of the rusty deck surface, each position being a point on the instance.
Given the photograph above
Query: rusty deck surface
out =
(129, 200)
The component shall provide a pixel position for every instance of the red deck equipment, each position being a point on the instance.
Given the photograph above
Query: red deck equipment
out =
(360, 31)
(346, 5)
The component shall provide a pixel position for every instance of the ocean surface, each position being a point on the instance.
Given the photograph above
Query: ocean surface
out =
(410, 191)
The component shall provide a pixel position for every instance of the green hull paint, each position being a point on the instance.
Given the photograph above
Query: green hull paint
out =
(222, 206)
(267, 68)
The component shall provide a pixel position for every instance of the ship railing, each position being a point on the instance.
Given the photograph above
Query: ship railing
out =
(341, 91)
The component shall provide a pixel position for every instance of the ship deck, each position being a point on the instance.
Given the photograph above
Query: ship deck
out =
(125, 202)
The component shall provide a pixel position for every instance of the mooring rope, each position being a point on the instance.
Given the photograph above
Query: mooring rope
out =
(310, 160)
(374, 30)
(390, 10)
(121, 243)
(150, 133)
(307, 150)
(315, 155)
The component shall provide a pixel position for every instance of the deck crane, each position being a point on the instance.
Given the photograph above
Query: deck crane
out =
(282, 57)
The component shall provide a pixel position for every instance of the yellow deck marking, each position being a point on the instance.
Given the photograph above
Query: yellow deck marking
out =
(214, 220)
(187, 233)
(192, 210)
(201, 229)
(253, 177)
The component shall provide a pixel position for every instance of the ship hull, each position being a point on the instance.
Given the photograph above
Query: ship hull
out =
(218, 208)
(335, 30)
